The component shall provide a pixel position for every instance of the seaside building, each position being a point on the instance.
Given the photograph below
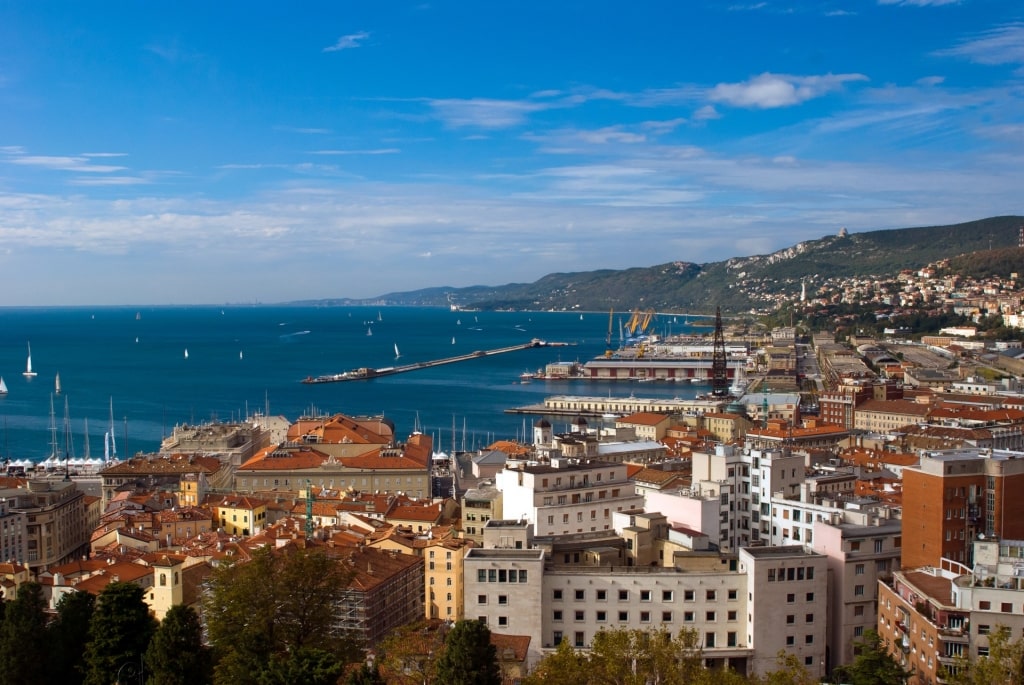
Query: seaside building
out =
(232, 443)
(147, 473)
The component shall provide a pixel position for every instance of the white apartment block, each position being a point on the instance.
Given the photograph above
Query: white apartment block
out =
(787, 589)
(745, 611)
(858, 557)
(568, 496)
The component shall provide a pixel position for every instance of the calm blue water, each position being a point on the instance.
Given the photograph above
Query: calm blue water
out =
(153, 386)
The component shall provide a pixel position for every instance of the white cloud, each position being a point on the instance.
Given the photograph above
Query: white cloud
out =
(919, 3)
(63, 163)
(1002, 45)
(485, 112)
(611, 134)
(930, 80)
(706, 113)
(380, 151)
(352, 40)
(108, 180)
(769, 90)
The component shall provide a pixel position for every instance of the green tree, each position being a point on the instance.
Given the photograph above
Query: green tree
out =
(468, 657)
(872, 665)
(641, 657)
(408, 656)
(789, 671)
(23, 647)
(1004, 663)
(564, 665)
(66, 660)
(176, 654)
(119, 634)
(306, 665)
(271, 608)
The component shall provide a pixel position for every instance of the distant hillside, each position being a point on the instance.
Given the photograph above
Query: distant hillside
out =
(685, 286)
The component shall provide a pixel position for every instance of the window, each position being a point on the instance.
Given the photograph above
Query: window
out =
(689, 595)
(790, 640)
(858, 590)
(503, 620)
(602, 616)
(858, 610)
(808, 661)
(556, 615)
(709, 616)
(578, 638)
(522, 574)
(709, 639)
(711, 595)
(481, 599)
(579, 616)
(855, 545)
(645, 617)
(731, 616)
(809, 618)
(557, 635)
(879, 544)
(666, 595)
(602, 595)
(858, 569)
(732, 594)
(790, 598)
(984, 605)
(730, 639)
(984, 629)
(645, 595)
(809, 639)
(623, 615)
(790, 618)
(810, 596)
(556, 595)
(623, 595)
(503, 600)
(580, 595)
(1006, 608)
(666, 617)
(858, 631)
(688, 616)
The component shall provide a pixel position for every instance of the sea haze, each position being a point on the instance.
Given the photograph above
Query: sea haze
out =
(242, 359)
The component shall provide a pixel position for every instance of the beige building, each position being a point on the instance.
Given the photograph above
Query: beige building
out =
(648, 425)
(56, 517)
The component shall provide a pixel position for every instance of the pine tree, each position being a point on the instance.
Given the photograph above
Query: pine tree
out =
(23, 650)
(468, 657)
(176, 654)
(119, 634)
(66, 659)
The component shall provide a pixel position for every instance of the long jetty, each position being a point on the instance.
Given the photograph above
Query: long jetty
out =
(366, 373)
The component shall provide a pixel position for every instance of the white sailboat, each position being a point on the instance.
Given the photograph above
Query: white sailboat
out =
(397, 353)
(56, 384)
(240, 354)
(453, 340)
(186, 353)
(369, 330)
(3, 386)
(29, 373)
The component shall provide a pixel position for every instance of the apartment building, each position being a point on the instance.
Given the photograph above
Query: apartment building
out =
(56, 518)
(952, 496)
(567, 496)
(515, 592)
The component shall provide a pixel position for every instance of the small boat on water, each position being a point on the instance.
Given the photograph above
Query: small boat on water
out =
(369, 330)
(397, 353)
(186, 353)
(29, 373)
(56, 384)
(3, 387)
(453, 340)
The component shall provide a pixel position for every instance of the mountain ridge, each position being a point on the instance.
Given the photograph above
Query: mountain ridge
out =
(734, 284)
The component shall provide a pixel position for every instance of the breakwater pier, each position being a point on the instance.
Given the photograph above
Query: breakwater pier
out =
(367, 373)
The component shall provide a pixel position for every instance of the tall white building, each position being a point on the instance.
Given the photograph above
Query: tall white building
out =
(568, 496)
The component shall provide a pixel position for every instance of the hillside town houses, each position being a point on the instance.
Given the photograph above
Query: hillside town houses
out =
(863, 485)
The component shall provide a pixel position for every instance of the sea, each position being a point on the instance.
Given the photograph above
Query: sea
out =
(128, 375)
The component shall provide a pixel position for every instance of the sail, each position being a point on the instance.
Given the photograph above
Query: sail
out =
(28, 363)
(397, 353)
(56, 384)
(3, 386)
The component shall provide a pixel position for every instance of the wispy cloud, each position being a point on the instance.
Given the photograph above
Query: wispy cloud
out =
(769, 90)
(919, 3)
(485, 112)
(305, 130)
(380, 151)
(930, 80)
(63, 163)
(349, 42)
(108, 181)
(1001, 45)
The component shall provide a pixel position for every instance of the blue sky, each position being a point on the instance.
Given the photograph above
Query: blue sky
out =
(187, 152)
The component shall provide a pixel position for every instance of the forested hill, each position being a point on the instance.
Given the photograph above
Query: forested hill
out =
(735, 284)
